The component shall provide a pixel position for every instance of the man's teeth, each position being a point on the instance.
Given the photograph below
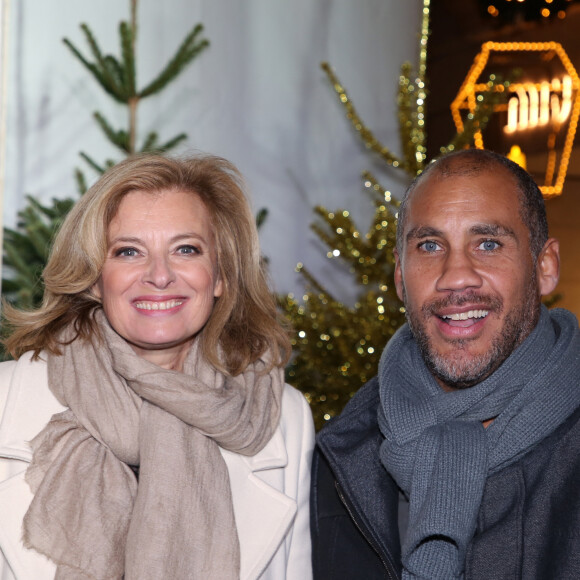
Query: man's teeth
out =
(466, 315)
(158, 305)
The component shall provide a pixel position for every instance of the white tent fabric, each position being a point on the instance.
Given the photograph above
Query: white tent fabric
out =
(257, 96)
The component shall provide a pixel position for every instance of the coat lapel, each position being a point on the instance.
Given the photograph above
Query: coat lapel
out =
(263, 514)
(29, 405)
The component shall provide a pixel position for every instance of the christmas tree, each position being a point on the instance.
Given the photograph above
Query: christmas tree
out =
(337, 347)
(26, 247)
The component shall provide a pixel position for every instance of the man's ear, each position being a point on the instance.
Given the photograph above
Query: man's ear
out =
(548, 267)
(398, 275)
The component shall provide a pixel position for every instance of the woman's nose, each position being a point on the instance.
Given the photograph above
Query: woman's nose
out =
(159, 272)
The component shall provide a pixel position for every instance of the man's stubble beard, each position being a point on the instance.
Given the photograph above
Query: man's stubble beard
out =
(456, 370)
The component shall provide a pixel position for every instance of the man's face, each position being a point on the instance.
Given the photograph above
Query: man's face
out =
(466, 274)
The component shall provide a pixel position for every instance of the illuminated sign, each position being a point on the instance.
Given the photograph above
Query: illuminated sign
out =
(539, 104)
(540, 117)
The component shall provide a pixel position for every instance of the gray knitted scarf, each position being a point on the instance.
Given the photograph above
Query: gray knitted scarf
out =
(437, 449)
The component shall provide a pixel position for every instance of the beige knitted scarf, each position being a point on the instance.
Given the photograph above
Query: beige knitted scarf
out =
(89, 514)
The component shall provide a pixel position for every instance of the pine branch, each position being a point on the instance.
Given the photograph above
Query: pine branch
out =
(186, 52)
(26, 249)
(19, 256)
(106, 69)
(15, 239)
(168, 145)
(261, 217)
(35, 208)
(92, 163)
(150, 143)
(41, 237)
(118, 138)
(107, 65)
(115, 71)
(10, 286)
(81, 181)
(90, 66)
(60, 208)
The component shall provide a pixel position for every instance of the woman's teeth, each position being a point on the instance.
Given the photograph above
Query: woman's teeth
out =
(158, 305)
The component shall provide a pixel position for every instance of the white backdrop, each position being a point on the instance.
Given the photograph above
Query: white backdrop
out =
(257, 96)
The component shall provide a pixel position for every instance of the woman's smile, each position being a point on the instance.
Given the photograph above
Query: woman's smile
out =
(158, 304)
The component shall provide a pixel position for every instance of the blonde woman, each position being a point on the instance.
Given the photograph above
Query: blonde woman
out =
(147, 432)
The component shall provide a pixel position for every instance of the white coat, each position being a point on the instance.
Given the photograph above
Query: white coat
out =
(270, 490)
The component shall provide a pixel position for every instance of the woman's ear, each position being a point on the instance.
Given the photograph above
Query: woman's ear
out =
(95, 290)
(218, 288)
(548, 267)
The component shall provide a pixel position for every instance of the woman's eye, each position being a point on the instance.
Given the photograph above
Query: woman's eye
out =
(489, 245)
(126, 252)
(188, 250)
(429, 246)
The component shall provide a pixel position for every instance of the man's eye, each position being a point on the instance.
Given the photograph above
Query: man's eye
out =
(187, 249)
(489, 245)
(429, 246)
(126, 252)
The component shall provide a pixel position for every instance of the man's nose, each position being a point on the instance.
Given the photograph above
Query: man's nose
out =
(459, 272)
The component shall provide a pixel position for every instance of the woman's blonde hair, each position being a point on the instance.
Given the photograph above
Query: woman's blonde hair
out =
(244, 323)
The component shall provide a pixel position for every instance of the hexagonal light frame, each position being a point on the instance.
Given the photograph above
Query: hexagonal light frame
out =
(472, 87)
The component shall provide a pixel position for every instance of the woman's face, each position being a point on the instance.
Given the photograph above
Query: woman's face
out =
(160, 276)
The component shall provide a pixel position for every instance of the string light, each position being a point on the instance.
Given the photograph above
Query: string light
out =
(512, 10)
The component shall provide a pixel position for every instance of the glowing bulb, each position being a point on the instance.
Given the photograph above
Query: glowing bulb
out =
(517, 156)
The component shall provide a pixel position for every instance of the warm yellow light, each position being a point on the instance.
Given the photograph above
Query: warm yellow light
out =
(553, 102)
(545, 12)
(561, 14)
(517, 156)
(492, 10)
(545, 100)
(536, 104)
